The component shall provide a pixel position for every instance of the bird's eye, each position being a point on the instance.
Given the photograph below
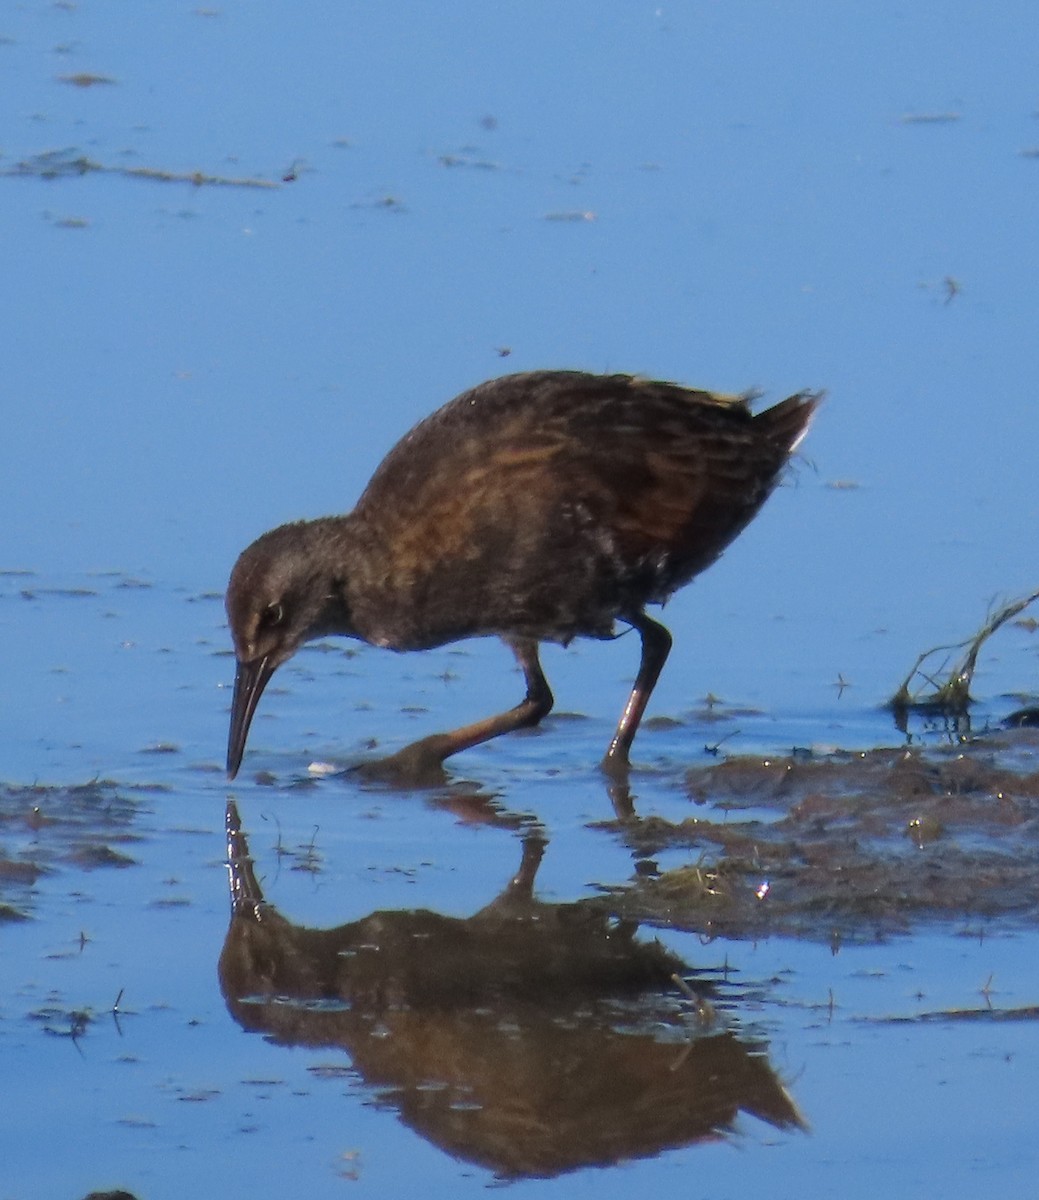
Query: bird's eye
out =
(272, 616)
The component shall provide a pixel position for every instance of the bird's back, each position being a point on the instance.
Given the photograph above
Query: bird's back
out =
(548, 503)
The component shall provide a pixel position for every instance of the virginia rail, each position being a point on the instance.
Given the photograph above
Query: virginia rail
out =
(536, 507)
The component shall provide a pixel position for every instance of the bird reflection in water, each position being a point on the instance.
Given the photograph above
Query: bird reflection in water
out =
(530, 1038)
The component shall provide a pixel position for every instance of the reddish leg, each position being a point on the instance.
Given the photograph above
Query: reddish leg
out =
(420, 762)
(656, 644)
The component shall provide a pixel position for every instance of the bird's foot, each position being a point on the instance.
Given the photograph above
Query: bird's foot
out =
(420, 765)
(615, 765)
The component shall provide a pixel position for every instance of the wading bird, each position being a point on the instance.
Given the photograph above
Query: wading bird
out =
(536, 507)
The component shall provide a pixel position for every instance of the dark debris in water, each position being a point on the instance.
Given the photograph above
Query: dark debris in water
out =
(48, 829)
(70, 163)
(14, 871)
(87, 79)
(161, 748)
(930, 118)
(92, 855)
(853, 846)
(986, 1015)
(62, 1022)
(78, 593)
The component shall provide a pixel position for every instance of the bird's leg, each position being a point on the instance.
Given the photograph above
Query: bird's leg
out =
(421, 761)
(536, 704)
(656, 645)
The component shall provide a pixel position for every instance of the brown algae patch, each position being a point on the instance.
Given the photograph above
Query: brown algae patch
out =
(852, 846)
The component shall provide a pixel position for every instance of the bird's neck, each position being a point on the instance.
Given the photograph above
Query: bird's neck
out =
(332, 556)
(361, 589)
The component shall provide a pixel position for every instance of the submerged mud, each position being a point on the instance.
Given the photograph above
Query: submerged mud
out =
(847, 846)
(44, 830)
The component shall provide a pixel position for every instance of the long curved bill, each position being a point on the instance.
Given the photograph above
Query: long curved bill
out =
(249, 681)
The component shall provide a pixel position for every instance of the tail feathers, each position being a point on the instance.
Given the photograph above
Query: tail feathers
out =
(786, 423)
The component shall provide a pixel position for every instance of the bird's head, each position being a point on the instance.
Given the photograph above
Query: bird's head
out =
(280, 595)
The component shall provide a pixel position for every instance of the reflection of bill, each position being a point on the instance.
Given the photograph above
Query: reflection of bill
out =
(530, 1038)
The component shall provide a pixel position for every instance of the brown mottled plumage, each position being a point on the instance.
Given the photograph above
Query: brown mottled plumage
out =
(536, 507)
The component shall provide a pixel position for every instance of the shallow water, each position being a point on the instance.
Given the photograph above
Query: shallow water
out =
(730, 197)
(893, 1012)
